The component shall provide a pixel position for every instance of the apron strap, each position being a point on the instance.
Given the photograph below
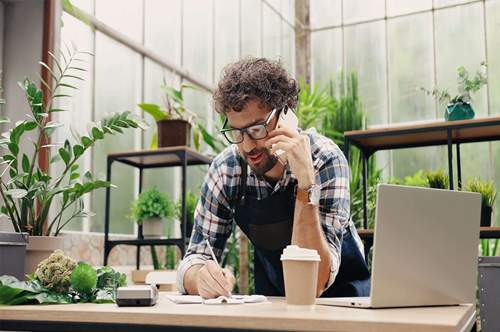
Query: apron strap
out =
(243, 186)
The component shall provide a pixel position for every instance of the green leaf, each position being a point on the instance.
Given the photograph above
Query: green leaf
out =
(16, 193)
(55, 159)
(74, 167)
(118, 129)
(14, 149)
(61, 96)
(97, 134)
(50, 131)
(172, 93)
(75, 133)
(87, 177)
(87, 141)
(122, 123)
(4, 119)
(108, 130)
(88, 187)
(68, 86)
(124, 115)
(71, 76)
(29, 126)
(74, 176)
(16, 133)
(26, 163)
(64, 155)
(57, 110)
(44, 83)
(57, 62)
(17, 177)
(50, 70)
(131, 123)
(78, 151)
(78, 68)
(154, 110)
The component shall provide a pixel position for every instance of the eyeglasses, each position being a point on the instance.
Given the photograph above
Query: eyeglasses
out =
(256, 131)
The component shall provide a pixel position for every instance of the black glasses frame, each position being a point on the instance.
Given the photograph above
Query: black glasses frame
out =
(245, 130)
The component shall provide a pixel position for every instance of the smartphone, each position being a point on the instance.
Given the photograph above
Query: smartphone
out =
(287, 118)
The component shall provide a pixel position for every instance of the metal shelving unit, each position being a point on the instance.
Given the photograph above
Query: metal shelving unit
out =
(163, 157)
(432, 134)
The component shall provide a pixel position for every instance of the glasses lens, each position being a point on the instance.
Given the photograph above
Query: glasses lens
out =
(257, 132)
(234, 136)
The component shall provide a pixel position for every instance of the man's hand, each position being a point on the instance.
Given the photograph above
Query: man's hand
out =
(208, 281)
(298, 152)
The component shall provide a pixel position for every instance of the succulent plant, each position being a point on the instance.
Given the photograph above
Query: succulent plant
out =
(54, 272)
(84, 279)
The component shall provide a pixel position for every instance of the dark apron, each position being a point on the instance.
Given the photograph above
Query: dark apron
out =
(268, 223)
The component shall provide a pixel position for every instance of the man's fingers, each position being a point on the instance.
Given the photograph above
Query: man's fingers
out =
(205, 291)
(229, 277)
(216, 281)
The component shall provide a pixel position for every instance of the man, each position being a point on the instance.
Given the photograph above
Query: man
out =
(272, 203)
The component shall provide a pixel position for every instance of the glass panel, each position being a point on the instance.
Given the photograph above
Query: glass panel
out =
(326, 55)
(288, 44)
(365, 51)
(398, 7)
(162, 28)
(226, 34)
(276, 4)
(475, 162)
(251, 28)
(197, 48)
(118, 78)
(81, 35)
(362, 10)
(85, 5)
(162, 178)
(125, 16)
(444, 3)
(411, 64)
(452, 38)
(272, 27)
(493, 34)
(407, 162)
(198, 102)
(325, 13)
(288, 11)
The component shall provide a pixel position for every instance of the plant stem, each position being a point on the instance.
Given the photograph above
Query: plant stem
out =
(8, 209)
(73, 216)
(60, 213)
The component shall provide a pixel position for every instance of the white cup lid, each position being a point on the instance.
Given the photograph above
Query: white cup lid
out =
(299, 254)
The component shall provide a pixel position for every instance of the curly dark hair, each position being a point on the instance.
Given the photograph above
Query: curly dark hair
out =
(254, 78)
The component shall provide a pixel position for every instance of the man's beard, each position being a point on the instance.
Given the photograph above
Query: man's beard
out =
(265, 165)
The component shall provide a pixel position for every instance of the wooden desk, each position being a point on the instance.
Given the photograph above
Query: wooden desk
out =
(167, 316)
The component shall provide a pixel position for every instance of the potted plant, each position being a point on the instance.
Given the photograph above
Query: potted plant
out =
(29, 185)
(437, 179)
(488, 196)
(174, 123)
(458, 107)
(149, 209)
(191, 202)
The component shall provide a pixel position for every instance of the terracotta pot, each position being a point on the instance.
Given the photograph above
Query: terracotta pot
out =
(152, 228)
(40, 248)
(173, 133)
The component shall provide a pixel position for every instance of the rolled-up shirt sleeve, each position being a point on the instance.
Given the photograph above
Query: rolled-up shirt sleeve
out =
(213, 219)
(334, 205)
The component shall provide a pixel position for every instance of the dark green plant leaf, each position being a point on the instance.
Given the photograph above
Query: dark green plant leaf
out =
(96, 133)
(14, 149)
(88, 187)
(50, 70)
(76, 77)
(122, 123)
(61, 96)
(64, 155)
(68, 86)
(117, 129)
(50, 131)
(4, 119)
(26, 163)
(74, 167)
(57, 110)
(74, 176)
(124, 115)
(131, 123)
(78, 150)
(44, 83)
(87, 141)
(29, 126)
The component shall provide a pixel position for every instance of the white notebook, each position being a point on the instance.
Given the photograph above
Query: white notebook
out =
(236, 299)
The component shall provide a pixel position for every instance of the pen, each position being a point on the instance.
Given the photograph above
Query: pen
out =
(216, 262)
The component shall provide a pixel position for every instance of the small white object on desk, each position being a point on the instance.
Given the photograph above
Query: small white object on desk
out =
(237, 299)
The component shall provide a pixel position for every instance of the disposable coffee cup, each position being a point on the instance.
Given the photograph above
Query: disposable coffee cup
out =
(300, 270)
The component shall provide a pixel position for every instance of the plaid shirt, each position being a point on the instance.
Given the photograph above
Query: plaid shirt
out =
(214, 213)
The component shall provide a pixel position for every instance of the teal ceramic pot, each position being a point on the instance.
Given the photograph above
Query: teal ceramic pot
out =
(459, 111)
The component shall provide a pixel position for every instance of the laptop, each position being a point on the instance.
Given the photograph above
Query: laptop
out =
(425, 249)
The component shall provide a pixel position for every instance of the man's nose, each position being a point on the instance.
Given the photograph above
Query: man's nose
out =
(248, 143)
